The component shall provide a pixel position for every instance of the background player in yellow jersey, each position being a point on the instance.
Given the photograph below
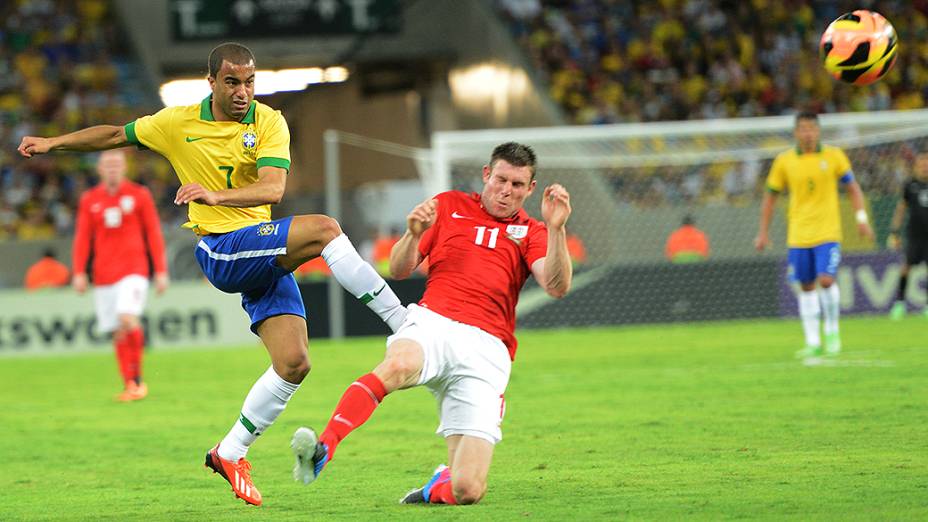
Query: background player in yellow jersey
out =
(232, 155)
(811, 172)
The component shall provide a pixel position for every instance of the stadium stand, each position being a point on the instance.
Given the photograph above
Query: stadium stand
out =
(703, 59)
(63, 66)
(67, 64)
(629, 61)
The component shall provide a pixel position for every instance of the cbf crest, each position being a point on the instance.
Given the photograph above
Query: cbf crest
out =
(250, 143)
(268, 229)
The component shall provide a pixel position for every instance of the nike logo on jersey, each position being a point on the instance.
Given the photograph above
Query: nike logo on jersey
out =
(191, 140)
(378, 291)
(455, 215)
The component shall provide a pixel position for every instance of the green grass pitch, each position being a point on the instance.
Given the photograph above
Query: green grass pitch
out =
(708, 421)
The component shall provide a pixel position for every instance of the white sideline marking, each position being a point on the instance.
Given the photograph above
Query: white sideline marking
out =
(825, 362)
(821, 362)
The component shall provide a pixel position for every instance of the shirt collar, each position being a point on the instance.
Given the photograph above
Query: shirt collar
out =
(818, 148)
(206, 111)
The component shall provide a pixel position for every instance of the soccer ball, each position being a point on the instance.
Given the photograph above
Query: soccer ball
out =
(859, 47)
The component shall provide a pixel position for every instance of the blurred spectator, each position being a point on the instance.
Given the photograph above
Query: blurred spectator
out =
(36, 225)
(522, 9)
(576, 250)
(47, 272)
(18, 194)
(313, 270)
(8, 220)
(687, 244)
(380, 253)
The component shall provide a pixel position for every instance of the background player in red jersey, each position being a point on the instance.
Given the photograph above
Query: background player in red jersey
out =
(481, 249)
(117, 220)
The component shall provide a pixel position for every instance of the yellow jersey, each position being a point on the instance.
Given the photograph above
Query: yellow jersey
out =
(812, 181)
(217, 155)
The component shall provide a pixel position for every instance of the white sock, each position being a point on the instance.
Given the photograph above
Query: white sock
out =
(266, 400)
(809, 310)
(363, 282)
(831, 307)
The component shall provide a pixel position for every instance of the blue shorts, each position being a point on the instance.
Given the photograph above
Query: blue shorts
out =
(806, 264)
(245, 261)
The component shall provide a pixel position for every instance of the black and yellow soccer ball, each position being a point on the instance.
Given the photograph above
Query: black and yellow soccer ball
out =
(859, 47)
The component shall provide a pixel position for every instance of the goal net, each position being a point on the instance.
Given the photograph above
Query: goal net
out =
(632, 186)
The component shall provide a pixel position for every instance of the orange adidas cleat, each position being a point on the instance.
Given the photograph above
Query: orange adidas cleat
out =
(238, 474)
(133, 392)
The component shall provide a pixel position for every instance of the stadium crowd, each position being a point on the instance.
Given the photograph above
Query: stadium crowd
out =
(616, 61)
(63, 66)
(612, 61)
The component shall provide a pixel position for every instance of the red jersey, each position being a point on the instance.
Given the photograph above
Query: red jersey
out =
(478, 263)
(122, 229)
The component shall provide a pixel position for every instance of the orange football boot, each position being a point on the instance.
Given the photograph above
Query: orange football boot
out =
(133, 392)
(238, 474)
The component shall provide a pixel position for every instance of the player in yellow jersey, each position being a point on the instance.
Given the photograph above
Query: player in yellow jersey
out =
(232, 155)
(811, 173)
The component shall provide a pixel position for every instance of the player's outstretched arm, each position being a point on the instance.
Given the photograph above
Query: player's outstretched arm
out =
(766, 215)
(405, 255)
(554, 272)
(269, 189)
(99, 137)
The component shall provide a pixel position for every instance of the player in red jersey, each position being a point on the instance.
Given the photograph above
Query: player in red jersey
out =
(458, 341)
(117, 220)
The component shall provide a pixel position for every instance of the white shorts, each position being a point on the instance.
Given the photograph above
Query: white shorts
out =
(126, 296)
(466, 369)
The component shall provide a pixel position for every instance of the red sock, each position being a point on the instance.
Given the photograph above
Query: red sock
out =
(355, 407)
(136, 348)
(123, 356)
(441, 491)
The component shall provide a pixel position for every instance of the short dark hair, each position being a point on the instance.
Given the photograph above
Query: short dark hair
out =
(230, 52)
(688, 219)
(49, 252)
(516, 154)
(807, 115)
